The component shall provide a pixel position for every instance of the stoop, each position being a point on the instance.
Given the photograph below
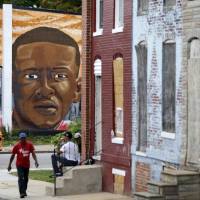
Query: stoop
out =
(78, 180)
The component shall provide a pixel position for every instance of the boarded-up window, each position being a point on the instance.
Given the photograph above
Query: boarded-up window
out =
(168, 87)
(143, 6)
(118, 96)
(194, 48)
(141, 50)
(169, 3)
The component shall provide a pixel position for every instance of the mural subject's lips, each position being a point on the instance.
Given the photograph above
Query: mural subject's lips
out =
(46, 107)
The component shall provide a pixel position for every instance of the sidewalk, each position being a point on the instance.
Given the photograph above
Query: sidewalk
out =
(38, 149)
(36, 190)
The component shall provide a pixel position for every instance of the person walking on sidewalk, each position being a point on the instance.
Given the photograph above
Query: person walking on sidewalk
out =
(23, 149)
(69, 155)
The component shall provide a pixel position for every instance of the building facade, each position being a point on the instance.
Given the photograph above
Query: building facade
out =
(164, 54)
(159, 102)
(191, 64)
(111, 92)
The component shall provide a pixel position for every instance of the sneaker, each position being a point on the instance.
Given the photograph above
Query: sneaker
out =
(56, 175)
(59, 174)
(22, 195)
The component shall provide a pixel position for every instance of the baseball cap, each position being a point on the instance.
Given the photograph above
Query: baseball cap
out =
(22, 135)
(68, 134)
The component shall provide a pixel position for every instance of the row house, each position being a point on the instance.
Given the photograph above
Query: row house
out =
(158, 114)
(143, 82)
(107, 75)
(111, 91)
(165, 98)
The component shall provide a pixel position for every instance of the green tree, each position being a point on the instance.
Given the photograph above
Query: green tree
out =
(62, 5)
(24, 3)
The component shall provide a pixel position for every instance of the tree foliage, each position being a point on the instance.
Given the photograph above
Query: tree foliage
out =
(61, 5)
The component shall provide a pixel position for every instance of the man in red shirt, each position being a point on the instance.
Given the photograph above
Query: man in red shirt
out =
(23, 149)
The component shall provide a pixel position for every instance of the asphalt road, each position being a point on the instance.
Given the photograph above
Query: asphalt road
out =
(44, 160)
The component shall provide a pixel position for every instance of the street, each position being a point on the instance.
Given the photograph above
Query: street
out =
(44, 160)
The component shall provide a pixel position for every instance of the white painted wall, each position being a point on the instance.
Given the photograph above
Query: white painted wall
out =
(155, 28)
(7, 67)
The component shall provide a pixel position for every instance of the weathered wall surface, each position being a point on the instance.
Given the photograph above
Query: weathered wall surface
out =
(191, 63)
(157, 26)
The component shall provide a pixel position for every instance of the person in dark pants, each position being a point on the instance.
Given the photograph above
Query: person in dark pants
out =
(23, 149)
(69, 155)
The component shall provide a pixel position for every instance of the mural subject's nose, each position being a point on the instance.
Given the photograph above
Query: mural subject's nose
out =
(45, 90)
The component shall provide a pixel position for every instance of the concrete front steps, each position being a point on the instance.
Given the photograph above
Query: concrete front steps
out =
(174, 185)
(78, 180)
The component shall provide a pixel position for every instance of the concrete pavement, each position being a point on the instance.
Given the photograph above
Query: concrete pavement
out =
(38, 148)
(36, 190)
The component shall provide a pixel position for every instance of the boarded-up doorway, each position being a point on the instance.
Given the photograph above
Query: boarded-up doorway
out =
(193, 156)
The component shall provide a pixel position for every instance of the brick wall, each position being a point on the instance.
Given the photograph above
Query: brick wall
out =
(157, 26)
(142, 176)
(106, 47)
(86, 71)
(191, 29)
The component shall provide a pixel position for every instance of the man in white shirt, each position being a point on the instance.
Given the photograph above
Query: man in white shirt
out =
(70, 155)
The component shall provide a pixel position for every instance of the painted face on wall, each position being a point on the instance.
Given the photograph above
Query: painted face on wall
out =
(45, 83)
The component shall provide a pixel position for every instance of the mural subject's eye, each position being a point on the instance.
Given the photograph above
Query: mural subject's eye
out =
(31, 76)
(60, 76)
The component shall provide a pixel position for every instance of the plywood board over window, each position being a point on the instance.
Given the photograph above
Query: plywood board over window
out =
(169, 3)
(141, 50)
(168, 87)
(118, 95)
(193, 153)
(143, 6)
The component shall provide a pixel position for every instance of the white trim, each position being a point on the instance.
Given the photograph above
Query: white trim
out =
(168, 135)
(118, 140)
(169, 41)
(7, 67)
(118, 30)
(98, 32)
(118, 172)
(96, 157)
(140, 153)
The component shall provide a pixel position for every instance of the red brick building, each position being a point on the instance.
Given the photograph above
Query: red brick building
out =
(107, 79)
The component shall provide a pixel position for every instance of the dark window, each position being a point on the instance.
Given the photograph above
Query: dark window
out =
(143, 7)
(168, 87)
(169, 3)
(141, 50)
(101, 14)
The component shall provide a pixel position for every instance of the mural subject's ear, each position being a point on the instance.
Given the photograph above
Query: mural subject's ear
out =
(78, 90)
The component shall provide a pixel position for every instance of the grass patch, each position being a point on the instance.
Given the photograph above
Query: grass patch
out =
(40, 175)
(36, 140)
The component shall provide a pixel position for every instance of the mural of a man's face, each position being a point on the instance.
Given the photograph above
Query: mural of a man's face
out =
(45, 83)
